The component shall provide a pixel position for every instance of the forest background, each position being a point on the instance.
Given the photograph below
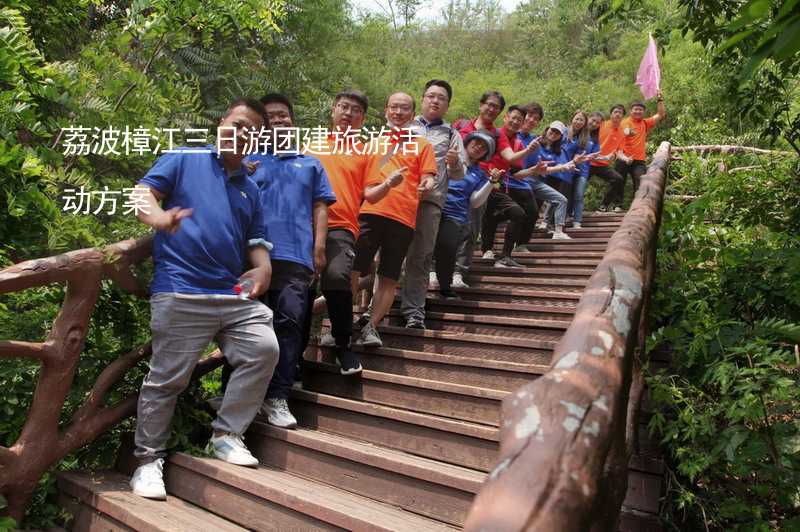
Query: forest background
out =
(727, 302)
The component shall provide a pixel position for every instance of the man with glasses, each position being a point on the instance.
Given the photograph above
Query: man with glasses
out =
(448, 150)
(348, 165)
(389, 223)
(501, 206)
(208, 226)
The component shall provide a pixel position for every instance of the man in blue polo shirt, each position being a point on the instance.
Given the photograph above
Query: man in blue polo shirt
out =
(208, 227)
(295, 194)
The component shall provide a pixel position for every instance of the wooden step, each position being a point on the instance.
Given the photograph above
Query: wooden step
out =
(543, 244)
(552, 295)
(462, 443)
(503, 284)
(446, 399)
(489, 325)
(484, 373)
(498, 308)
(577, 272)
(416, 484)
(395, 317)
(104, 501)
(525, 281)
(268, 499)
(583, 232)
(567, 253)
(535, 349)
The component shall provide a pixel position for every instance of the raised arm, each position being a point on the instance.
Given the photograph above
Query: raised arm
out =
(156, 217)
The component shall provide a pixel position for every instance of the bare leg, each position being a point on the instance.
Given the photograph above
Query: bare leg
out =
(384, 297)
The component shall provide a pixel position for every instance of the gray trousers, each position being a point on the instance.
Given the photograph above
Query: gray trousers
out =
(464, 255)
(418, 261)
(183, 326)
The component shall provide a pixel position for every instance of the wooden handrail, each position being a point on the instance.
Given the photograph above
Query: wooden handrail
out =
(566, 437)
(41, 444)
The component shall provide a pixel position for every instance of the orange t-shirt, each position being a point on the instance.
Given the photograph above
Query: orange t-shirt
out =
(636, 137)
(611, 139)
(401, 203)
(347, 174)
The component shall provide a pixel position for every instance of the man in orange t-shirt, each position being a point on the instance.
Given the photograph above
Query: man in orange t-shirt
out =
(610, 138)
(388, 224)
(348, 165)
(632, 160)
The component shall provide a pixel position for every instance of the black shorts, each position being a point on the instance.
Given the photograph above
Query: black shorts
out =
(390, 236)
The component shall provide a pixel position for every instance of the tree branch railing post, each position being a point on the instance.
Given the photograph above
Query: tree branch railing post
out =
(565, 438)
(41, 444)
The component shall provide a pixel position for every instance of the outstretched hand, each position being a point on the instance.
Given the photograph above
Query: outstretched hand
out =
(170, 220)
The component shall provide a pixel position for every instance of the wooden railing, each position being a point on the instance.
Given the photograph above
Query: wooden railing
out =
(42, 443)
(567, 437)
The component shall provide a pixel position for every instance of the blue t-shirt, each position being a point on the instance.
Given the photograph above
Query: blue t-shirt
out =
(459, 191)
(509, 182)
(290, 185)
(525, 138)
(548, 155)
(208, 252)
(574, 149)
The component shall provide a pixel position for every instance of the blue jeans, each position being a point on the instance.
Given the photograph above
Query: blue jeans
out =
(544, 192)
(579, 184)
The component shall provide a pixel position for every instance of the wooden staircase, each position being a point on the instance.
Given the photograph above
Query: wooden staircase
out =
(406, 445)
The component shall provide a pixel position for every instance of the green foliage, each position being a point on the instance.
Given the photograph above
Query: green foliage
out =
(94, 64)
(728, 305)
(162, 63)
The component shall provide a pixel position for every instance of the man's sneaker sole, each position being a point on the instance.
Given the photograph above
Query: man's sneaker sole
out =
(352, 371)
(369, 343)
(245, 462)
(288, 426)
(148, 495)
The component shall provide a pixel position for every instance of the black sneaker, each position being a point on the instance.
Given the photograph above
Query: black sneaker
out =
(449, 294)
(415, 323)
(362, 321)
(349, 362)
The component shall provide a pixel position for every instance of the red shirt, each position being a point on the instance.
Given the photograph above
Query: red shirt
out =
(501, 142)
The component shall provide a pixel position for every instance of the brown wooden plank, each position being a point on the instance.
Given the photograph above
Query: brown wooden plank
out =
(388, 476)
(483, 373)
(413, 395)
(87, 519)
(109, 493)
(325, 503)
(434, 437)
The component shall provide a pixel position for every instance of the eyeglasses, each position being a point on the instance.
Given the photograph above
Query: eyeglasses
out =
(352, 109)
(436, 97)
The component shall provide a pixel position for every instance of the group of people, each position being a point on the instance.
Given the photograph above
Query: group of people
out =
(240, 238)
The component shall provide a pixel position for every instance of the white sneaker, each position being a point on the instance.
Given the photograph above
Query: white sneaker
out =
(369, 337)
(561, 235)
(489, 255)
(458, 281)
(433, 281)
(148, 480)
(542, 226)
(327, 340)
(278, 413)
(230, 448)
(576, 225)
(617, 209)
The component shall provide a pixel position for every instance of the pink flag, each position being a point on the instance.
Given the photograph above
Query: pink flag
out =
(649, 76)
